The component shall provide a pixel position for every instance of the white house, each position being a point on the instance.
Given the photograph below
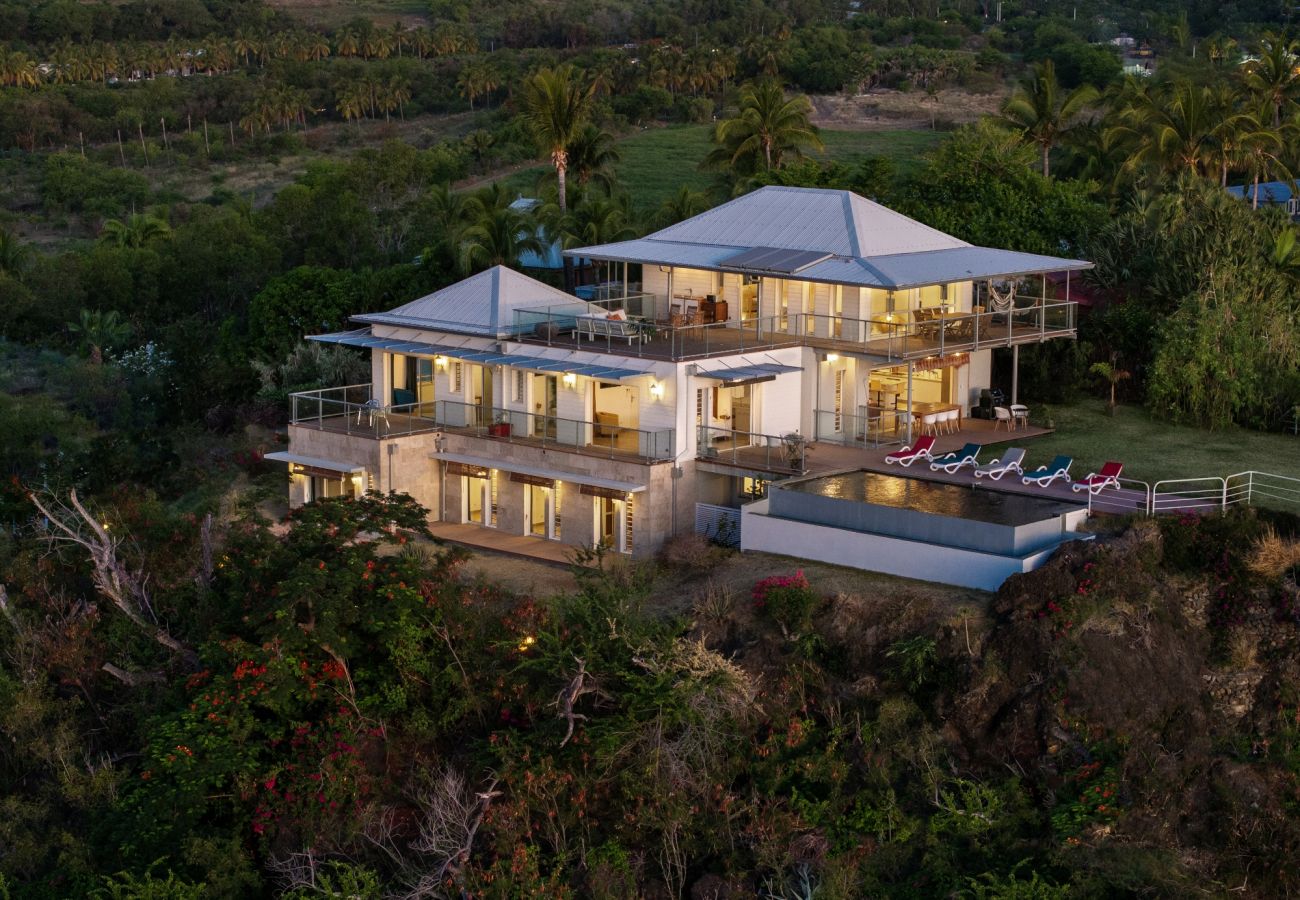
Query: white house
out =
(784, 316)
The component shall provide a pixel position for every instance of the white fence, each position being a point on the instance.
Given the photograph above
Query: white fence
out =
(1200, 495)
(718, 523)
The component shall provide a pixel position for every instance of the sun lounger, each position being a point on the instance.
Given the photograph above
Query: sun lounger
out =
(1096, 482)
(951, 462)
(909, 455)
(1009, 461)
(1045, 475)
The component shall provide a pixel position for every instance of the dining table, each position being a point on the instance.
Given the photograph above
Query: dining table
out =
(924, 408)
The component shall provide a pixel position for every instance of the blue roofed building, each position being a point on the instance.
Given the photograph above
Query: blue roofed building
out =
(1270, 194)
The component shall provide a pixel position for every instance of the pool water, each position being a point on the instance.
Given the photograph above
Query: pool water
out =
(932, 497)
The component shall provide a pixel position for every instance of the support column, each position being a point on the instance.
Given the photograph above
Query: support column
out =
(909, 403)
(1015, 373)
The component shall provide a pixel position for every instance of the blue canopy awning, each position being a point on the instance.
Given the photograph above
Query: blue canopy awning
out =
(746, 373)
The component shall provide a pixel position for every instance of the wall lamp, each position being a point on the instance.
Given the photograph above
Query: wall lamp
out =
(570, 380)
(657, 390)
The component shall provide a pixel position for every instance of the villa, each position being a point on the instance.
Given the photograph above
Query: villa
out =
(723, 351)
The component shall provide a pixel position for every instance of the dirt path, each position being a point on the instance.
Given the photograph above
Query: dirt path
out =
(882, 109)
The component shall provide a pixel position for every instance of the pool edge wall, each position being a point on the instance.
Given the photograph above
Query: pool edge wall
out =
(870, 552)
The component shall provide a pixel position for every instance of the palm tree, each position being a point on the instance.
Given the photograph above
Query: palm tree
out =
(680, 206)
(399, 91)
(348, 43)
(1173, 126)
(19, 70)
(316, 46)
(1038, 110)
(476, 79)
(766, 129)
(14, 255)
(596, 219)
(1237, 139)
(556, 106)
(99, 331)
(136, 231)
(1112, 375)
(351, 103)
(496, 236)
(592, 157)
(1275, 76)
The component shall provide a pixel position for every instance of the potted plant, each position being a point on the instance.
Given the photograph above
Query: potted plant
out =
(500, 427)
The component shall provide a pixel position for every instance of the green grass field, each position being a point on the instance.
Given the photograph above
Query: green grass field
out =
(658, 161)
(1153, 450)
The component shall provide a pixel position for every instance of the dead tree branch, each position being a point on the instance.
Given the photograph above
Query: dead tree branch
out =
(127, 589)
(452, 816)
(569, 695)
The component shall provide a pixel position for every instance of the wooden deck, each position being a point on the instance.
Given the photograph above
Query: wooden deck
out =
(494, 540)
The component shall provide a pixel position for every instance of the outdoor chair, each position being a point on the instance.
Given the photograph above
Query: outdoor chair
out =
(930, 424)
(1045, 475)
(1020, 415)
(1002, 416)
(908, 455)
(1009, 461)
(1096, 482)
(951, 462)
(372, 409)
(949, 420)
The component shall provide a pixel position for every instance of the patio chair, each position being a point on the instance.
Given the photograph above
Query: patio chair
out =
(372, 409)
(908, 455)
(1020, 415)
(949, 420)
(951, 462)
(1009, 461)
(1045, 475)
(1002, 416)
(1096, 482)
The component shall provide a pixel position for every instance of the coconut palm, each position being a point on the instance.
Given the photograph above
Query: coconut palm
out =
(1274, 76)
(592, 157)
(136, 231)
(1112, 375)
(476, 79)
(19, 70)
(348, 43)
(1173, 126)
(398, 90)
(595, 219)
(496, 235)
(556, 105)
(1040, 112)
(351, 103)
(767, 129)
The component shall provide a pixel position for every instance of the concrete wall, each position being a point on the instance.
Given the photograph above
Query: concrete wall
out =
(399, 463)
(878, 553)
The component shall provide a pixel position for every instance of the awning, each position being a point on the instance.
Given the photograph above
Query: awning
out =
(539, 472)
(747, 374)
(312, 462)
(361, 337)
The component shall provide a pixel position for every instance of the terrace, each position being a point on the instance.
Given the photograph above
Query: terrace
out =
(353, 411)
(652, 331)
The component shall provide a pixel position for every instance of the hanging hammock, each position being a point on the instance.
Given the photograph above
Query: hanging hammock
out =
(1002, 297)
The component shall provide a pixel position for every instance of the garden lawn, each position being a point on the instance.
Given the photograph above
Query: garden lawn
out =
(1153, 450)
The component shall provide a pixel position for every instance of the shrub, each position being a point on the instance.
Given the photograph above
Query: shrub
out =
(788, 599)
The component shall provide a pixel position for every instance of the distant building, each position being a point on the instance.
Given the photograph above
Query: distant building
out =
(1270, 193)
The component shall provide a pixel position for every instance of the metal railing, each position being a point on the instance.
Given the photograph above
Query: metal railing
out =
(515, 426)
(747, 449)
(1133, 496)
(352, 410)
(649, 331)
(887, 427)
(1201, 495)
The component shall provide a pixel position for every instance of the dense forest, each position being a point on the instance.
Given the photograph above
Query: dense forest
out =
(201, 698)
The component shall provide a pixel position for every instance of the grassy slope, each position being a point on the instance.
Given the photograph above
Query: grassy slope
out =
(657, 161)
(1152, 450)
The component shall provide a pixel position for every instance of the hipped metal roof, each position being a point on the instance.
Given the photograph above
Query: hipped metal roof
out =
(483, 304)
(362, 337)
(862, 243)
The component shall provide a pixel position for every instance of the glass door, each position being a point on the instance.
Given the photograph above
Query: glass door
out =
(475, 502)
(542, 518)
(481, 387)
(546, 401)
(613, 525)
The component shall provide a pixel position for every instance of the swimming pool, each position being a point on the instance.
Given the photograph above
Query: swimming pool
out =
(913, 509)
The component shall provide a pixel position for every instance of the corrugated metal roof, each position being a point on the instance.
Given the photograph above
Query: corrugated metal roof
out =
(891, 272)
(1269, 191)
(872, 246)
(481, 304)
(361, 337)
(794, 218)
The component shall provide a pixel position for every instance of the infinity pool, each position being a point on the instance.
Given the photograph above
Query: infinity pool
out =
(949, 515)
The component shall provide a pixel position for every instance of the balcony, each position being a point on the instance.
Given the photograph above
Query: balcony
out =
(648, 333)
(776, 454)
(352, 410)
